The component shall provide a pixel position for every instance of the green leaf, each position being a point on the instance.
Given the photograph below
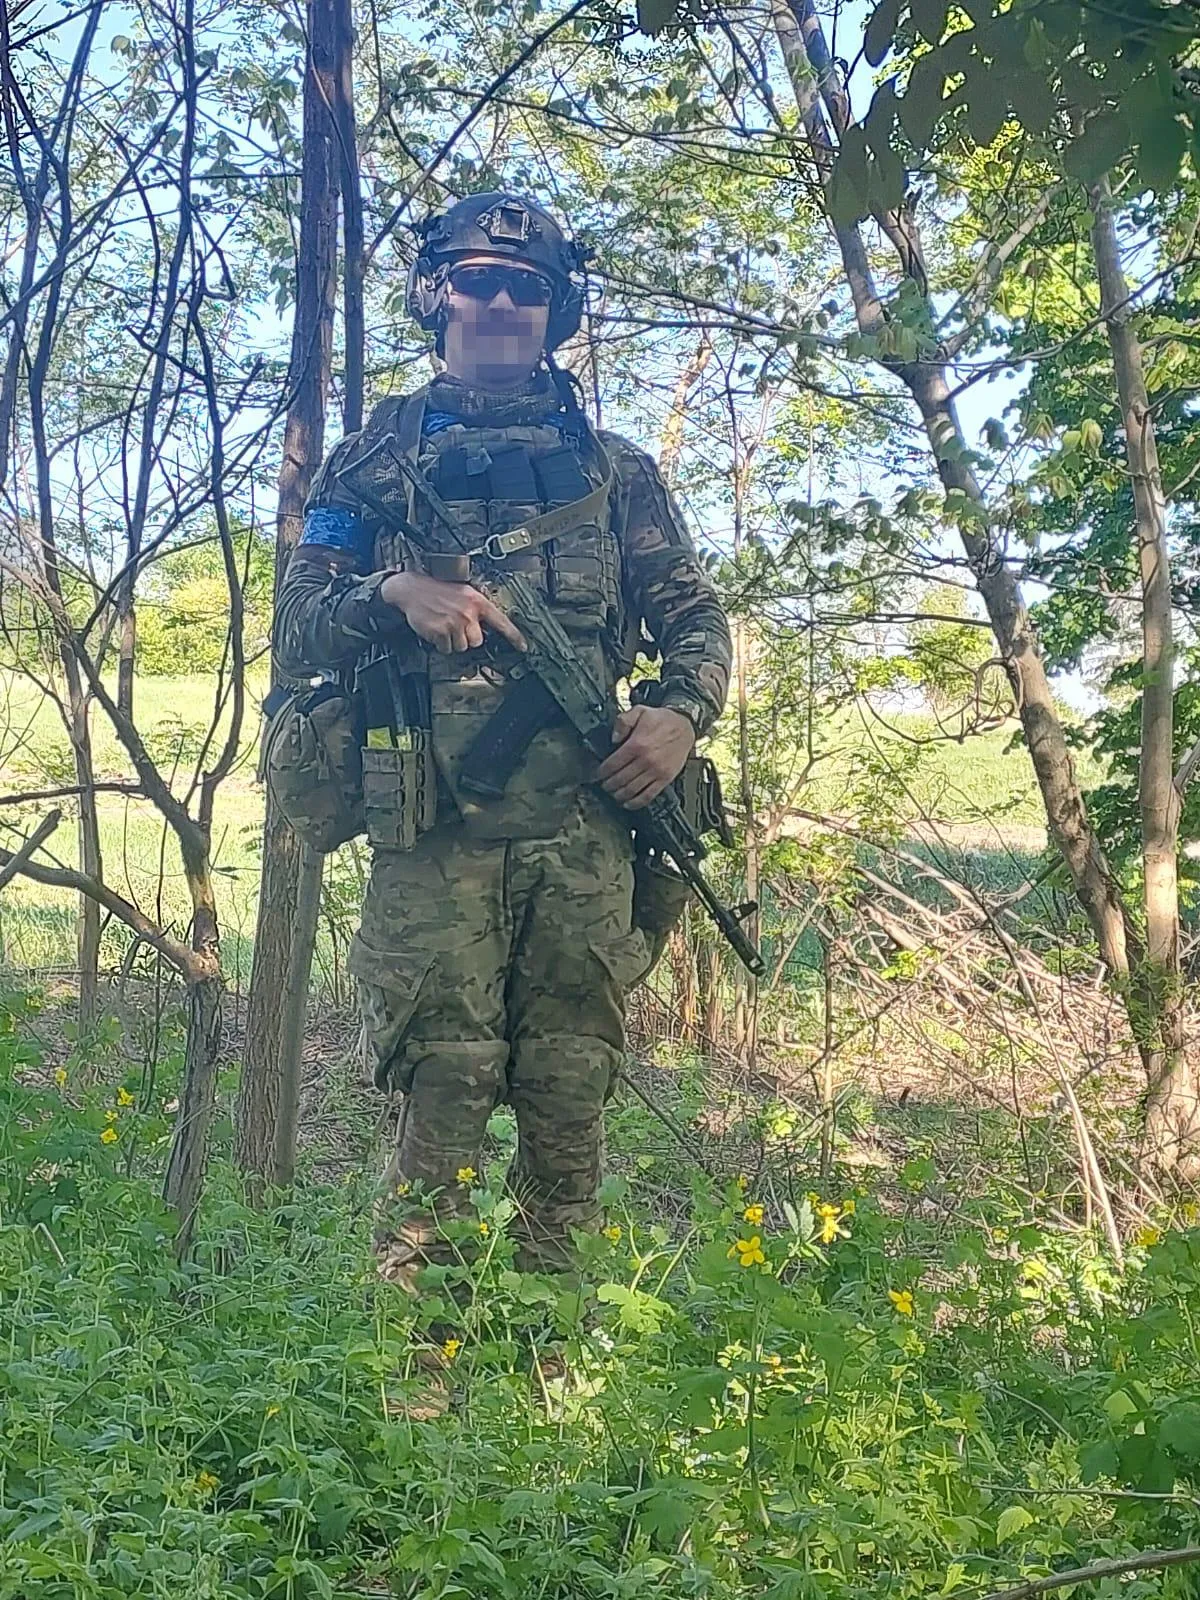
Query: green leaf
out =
(986, 100)
(1119, 1405)
(639, 1312)
(1100, 146)
(1161, 151)
(1145, 1466)
(655, 15)
(848, 186)
(1099, 1460)
(1091, 437)
(1179, 1431)
(929, 18)
(997, 438)
(1012, 1521)
(880, 30)
(922, 103)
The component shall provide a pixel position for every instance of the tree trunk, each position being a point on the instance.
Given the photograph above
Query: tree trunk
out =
(88, 927)
(1172, 1131)
(304, 438)
(712, 1006)
(295, 1011)
(670, 445)
(683, 965)
(352, 215)
(258, 1085)
(184, 1181)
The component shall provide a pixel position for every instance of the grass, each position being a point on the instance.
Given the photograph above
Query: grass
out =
(896, 1391)
(141, 859)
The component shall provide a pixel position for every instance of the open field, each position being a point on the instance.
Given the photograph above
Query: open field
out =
(141, 860)
(977, 800)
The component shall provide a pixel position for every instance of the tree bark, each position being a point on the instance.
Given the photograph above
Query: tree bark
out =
(671, 443)
(303, 444)
(1172, 1131)
(184, 1182)
(295, 1011)
(352, 214)
(88, 922)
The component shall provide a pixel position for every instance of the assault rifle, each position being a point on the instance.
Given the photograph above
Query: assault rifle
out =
(550, 681)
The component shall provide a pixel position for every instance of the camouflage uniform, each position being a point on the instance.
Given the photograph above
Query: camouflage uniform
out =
(494, 957)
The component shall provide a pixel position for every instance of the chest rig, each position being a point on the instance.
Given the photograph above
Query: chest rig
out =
(503, 485)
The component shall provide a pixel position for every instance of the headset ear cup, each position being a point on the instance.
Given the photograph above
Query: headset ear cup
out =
(421, 296)
(565, 317)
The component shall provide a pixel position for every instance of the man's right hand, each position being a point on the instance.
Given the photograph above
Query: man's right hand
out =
(449, 616)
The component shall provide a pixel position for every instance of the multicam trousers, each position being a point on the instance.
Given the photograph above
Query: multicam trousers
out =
(495, 971)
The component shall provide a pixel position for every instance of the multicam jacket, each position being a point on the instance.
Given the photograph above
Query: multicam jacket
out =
(499, 461)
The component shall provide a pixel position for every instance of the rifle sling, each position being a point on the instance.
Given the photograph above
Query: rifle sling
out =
(551, 524)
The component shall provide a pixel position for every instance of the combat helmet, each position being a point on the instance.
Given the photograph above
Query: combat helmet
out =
(501, 225)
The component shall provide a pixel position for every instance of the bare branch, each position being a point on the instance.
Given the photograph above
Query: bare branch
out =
(20, 858)
(1148, 1561)
(174, 950)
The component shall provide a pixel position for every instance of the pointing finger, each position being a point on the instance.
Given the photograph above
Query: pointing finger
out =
(502, 624)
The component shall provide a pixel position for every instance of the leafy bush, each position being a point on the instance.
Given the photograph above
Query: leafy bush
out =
(814, 1399)
(183, 607)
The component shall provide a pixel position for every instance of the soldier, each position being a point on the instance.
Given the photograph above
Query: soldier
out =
(498, 941)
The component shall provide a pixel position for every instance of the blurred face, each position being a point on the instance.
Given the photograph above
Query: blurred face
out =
(497, 312)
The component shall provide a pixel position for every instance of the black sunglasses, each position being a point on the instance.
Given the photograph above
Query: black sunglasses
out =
(485, 283)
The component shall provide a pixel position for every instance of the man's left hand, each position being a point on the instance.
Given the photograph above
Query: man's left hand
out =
(653, 742)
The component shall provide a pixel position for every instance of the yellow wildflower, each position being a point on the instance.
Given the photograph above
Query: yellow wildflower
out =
(60, 1077)
(829, 1222)
(748, 1251)
(1147, 1236)
(902, 1299)
(110, 1116)
(451, 1348)
(1189, 1213)
(402, 1189)
(109, 1136)
(124, 1098)
(484, 1229)
(466, 1174)
(848, 1208)
(205, 1482)
(272, 1411)
(612, 1233)
(742, 1181)
(754, 1214)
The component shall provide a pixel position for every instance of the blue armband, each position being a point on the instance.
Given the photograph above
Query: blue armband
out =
(339, 529)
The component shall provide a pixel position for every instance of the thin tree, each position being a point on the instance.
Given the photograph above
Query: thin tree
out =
(291, 876)
(824, 110)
